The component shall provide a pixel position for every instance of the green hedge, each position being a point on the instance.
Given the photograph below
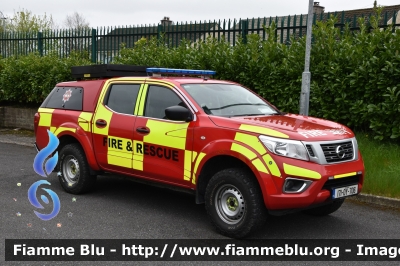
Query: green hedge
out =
(29, 79)
(355, 75)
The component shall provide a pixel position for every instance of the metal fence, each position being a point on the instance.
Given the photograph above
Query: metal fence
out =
(103, 44)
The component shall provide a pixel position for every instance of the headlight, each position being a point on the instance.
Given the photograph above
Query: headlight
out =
(285, 147)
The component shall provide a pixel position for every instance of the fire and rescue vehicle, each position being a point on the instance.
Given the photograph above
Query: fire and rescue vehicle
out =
(237, 153)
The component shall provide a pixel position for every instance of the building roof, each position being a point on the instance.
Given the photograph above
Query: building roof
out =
(172, 34)
(388, 12)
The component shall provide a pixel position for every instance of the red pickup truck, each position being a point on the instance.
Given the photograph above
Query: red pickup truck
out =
(236, 152)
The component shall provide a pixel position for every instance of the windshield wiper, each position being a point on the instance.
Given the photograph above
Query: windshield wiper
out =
(206, 110)
(254, 114)
(246, 115)
(236, 104)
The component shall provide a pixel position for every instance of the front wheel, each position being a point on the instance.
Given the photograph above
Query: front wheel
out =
(325, 209)
(234, 203)
(74, 173)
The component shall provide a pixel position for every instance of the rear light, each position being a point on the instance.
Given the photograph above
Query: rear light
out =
(36, 121)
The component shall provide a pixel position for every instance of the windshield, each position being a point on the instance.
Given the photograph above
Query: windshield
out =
(228, 100)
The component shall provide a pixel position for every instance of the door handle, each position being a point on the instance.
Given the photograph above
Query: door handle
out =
(101, 122)
(145, 130)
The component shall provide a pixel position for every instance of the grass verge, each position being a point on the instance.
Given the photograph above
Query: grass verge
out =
(382, 166)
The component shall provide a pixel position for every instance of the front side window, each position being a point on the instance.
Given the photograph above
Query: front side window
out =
(121, 98)
(228, 100)
(158, 99)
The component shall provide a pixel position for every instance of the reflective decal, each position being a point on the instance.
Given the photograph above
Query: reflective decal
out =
(67, 95)
(316, 133)
(272, 166)
(137, 157)
(188, 165)
(58, 130)
(45, 117)
(84, 121)
(345, 175)
(252, 141)
(167, 134)
(102, 113)
(299, 171)
(264, 131)
(198, 160)
(244, 151)
(259, 165)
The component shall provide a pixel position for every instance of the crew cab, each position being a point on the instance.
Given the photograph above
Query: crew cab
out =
(237, 153)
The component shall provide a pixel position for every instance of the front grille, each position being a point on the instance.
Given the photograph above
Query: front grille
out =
(310, 150)
(338, 152)
(341, 182)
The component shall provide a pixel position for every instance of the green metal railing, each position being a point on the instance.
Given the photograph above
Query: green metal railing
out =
(104, 43)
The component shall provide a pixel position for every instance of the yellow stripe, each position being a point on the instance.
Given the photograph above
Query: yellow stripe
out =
(45, 117)
(264, 131)
(138, 99)
(137, 157)
(198, 160)
(84, 121)
(167, 134)
(61, 129)
(344, 175)
(143, 95)
(260, 166)
(272, 166)
(119, 161)
(188, 165)
(244, 151)
(194, 154)
(299, 171)
(105, 114)
(251, 141)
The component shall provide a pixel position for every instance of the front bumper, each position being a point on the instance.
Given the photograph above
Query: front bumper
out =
(320, 190)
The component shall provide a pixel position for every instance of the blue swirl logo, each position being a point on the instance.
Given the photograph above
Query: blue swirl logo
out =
(40, 163)
(34, 201)
(44, 165)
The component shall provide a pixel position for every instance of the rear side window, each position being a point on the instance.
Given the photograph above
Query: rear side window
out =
(121, 98)
(68, 98)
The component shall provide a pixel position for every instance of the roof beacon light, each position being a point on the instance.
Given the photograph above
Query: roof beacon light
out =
(173, 71)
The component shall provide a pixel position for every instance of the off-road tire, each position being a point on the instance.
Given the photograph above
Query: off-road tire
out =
(74, 172)
(325, 209)
(241, 210)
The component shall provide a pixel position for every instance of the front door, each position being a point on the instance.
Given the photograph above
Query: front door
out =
(161, 145)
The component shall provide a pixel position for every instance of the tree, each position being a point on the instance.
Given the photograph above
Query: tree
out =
(24, 21)
(76, 21)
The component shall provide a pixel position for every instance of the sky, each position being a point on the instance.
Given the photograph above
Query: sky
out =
(135, 13)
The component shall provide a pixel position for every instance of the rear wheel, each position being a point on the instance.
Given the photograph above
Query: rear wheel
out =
(234, 203)
(325, 209)
(74, 173)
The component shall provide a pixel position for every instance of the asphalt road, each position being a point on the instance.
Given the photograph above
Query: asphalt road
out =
(120, 208)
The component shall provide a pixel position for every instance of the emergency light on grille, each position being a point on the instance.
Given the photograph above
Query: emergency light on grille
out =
(155, 70)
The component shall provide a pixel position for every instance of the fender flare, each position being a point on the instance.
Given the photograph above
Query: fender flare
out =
(218, 147)
(76, 132)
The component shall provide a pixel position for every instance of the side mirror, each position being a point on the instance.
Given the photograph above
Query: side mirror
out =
(178, 113)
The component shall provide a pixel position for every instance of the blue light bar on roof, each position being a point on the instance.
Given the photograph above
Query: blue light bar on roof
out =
(175, 71)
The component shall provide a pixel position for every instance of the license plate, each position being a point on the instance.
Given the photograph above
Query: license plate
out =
(342, 192)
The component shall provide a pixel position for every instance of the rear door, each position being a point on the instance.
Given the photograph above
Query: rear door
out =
(113, 126)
